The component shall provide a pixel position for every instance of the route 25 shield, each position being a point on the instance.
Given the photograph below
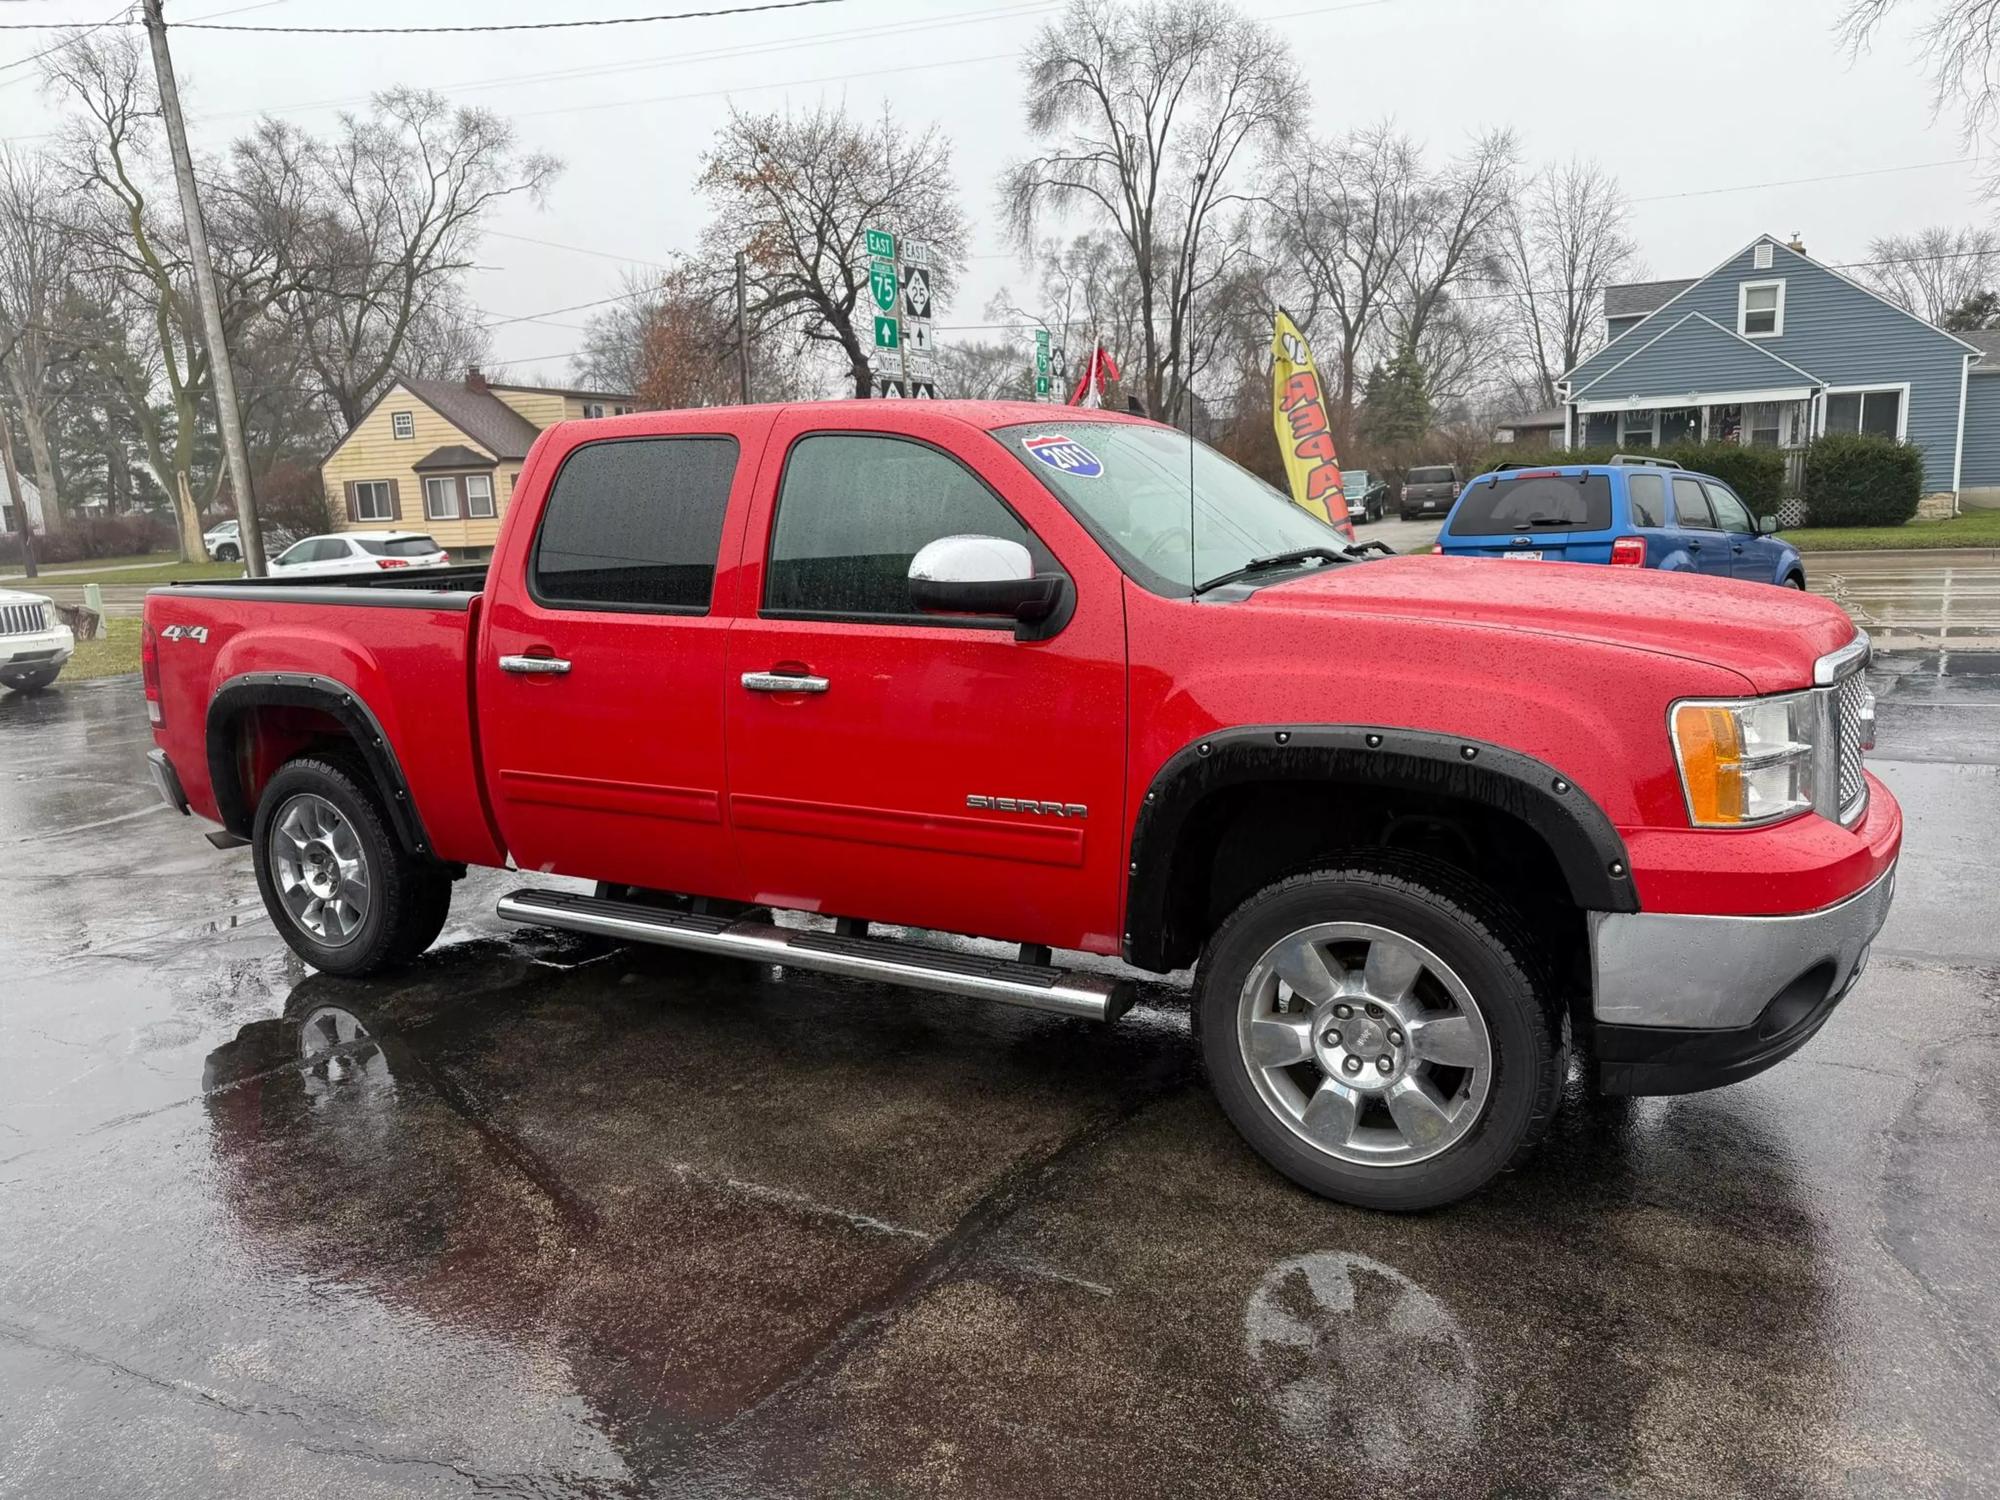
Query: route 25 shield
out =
(1063, 454)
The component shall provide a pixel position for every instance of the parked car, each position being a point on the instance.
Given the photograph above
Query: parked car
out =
(358, 552)
(1631, 512)
(1429, 491)
(941, 665)
(34, 644)
(223, 542)
(1367, 497)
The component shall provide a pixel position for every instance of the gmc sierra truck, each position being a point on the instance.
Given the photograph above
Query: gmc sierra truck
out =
(778, 677)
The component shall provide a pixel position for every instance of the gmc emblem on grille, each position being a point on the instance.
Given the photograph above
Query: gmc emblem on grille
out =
(1028, 805)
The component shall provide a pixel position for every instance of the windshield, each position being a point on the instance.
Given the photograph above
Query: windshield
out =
(1354, 481)
(1129, 486)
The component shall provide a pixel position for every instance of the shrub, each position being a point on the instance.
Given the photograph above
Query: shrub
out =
(1854, 479)
(84, 538)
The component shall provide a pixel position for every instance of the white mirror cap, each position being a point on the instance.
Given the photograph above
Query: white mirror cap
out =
(972, 559)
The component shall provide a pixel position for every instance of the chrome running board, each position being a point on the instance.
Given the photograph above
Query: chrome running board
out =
(1094, 997)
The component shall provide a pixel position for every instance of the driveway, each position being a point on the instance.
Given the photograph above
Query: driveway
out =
(543, 1216)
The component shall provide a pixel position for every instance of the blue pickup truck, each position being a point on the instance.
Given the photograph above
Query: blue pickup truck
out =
(1631, 512)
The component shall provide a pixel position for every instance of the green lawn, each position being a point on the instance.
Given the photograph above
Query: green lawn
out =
(1976, 528)
(115, 650)
(159, 568)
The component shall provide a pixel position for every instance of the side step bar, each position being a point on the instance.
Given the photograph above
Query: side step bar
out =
(1093, 997)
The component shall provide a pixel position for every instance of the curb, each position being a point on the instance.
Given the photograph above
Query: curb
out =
(1932, 554)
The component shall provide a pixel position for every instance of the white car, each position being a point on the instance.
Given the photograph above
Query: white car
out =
(34, 644)
(344, 552)
(222, 544)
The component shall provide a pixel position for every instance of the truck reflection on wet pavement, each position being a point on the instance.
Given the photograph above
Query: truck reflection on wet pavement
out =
(561, 1218)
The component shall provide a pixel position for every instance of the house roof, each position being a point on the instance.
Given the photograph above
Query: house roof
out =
(453, 456)
(562, 390)
(1555, 416)
(1637, 298)
(1725, 359)
(1987, 342)
(485, 418)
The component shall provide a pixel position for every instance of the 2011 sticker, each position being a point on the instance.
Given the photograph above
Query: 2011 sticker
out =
(1063, 454)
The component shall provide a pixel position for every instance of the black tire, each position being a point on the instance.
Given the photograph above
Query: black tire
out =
(1795, 581)
(34, 682)
(1490, 950)
(229, 552)
(408, 898)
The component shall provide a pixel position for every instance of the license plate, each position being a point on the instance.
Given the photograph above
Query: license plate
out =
(1522, 556)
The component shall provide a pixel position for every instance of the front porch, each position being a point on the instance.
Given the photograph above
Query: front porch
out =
(1785, 420)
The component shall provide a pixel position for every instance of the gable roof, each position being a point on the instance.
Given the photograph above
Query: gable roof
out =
(453, 456)
(1637, 298)
(1696, 346)
(574, 392)
(485, 418)
(1987, 342)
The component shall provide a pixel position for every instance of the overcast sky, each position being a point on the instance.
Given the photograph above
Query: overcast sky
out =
(1687, 104)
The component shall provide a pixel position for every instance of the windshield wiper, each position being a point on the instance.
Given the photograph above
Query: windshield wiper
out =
(1277, 560)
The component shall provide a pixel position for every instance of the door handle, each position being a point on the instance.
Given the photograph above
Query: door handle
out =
(535, 666)
(782, 682)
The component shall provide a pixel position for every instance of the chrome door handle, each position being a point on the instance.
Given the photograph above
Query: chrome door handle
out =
(779, 682)
(535, 666)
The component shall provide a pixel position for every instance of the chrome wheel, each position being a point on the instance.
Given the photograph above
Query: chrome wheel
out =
(319, 869)
(1365, 1044)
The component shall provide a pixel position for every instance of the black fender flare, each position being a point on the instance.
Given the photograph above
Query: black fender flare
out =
(1586, 844)
(305, 690)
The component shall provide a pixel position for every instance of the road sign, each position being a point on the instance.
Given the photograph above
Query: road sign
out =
(916, 292)
(917, 252)
(1041, 385)
(881, 244)
(917, 335)
(882, 284)
(896, 390)
(886, 333)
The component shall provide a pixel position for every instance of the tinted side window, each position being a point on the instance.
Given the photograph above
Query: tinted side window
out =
(855, 509)
(1691, 504)
(1730, 511)
(1648, 494)
(635, 524)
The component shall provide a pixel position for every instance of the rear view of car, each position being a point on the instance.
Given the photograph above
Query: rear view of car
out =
(1428, 492)
(1537, 515)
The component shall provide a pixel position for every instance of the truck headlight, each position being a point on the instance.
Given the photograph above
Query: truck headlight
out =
(1745, 761)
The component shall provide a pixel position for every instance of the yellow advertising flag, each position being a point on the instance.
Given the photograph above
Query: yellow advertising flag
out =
(1298, 410)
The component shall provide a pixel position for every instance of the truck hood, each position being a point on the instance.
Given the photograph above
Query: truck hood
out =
(1770, 635)
(16, 596)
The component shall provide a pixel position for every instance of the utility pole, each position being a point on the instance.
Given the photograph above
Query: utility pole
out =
(228, 415)
(742, 327)
(14, 496)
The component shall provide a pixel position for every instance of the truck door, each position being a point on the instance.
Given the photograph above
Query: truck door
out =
(599, 676)
(930, 771)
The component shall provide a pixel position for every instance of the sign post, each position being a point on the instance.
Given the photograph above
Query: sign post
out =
(1041, 363)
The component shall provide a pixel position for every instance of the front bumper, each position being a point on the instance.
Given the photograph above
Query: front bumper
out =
(1693, 1002)
(28, 653)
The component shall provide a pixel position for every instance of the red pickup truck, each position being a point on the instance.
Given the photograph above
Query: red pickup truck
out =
(1070, 681)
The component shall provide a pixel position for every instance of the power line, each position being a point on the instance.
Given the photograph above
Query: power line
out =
(685, 15)
(1749, 187)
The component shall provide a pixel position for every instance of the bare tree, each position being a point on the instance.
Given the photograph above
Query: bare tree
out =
(795, 194)
(986, 370)
(1960, 44)
(1562, 241)
(1455, 246)
(37, 266)
(1347, 213)
(615, 335)
(1935, 271)
(1152, 114)
(394, 205)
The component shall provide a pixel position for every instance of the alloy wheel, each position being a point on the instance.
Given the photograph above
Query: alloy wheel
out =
(320, 870)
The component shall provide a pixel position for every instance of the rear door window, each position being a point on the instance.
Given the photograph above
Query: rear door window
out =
(854, 508)
(635, 525)
(1526, 503)
(1691, 505)
(1648, 495)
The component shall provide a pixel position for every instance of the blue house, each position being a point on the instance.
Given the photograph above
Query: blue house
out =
(1771, 348)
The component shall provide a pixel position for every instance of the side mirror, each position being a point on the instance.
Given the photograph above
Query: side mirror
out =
(983, 575)
(1767, 525)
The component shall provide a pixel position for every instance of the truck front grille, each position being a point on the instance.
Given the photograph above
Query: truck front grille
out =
(1850, 701)
(22, 619)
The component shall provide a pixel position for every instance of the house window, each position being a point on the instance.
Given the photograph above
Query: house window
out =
(621, 411)
(441, 499)
(1760, 258)
(593, 408)
(1635, 429)
(1760, 424)
(1877, 412)
(403, 423)
(1760, 309)
(1679, 424)
(372, 501)
(479, 496)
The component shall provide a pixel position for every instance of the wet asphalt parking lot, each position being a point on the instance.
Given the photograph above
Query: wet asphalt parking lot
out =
(542, 1217)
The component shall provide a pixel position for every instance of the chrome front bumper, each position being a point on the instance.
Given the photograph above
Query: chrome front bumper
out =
(1663, 969)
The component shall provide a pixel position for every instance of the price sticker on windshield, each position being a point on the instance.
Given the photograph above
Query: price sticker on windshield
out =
(1063, 454)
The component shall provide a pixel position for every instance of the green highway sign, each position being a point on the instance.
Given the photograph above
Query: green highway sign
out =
(882, 284)
(881, 244)
(1041, 385)
(887, 335)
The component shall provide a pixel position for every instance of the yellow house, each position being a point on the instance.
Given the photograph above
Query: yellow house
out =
(441, 457)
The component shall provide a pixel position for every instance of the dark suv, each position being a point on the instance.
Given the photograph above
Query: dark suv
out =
(1430, 491)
